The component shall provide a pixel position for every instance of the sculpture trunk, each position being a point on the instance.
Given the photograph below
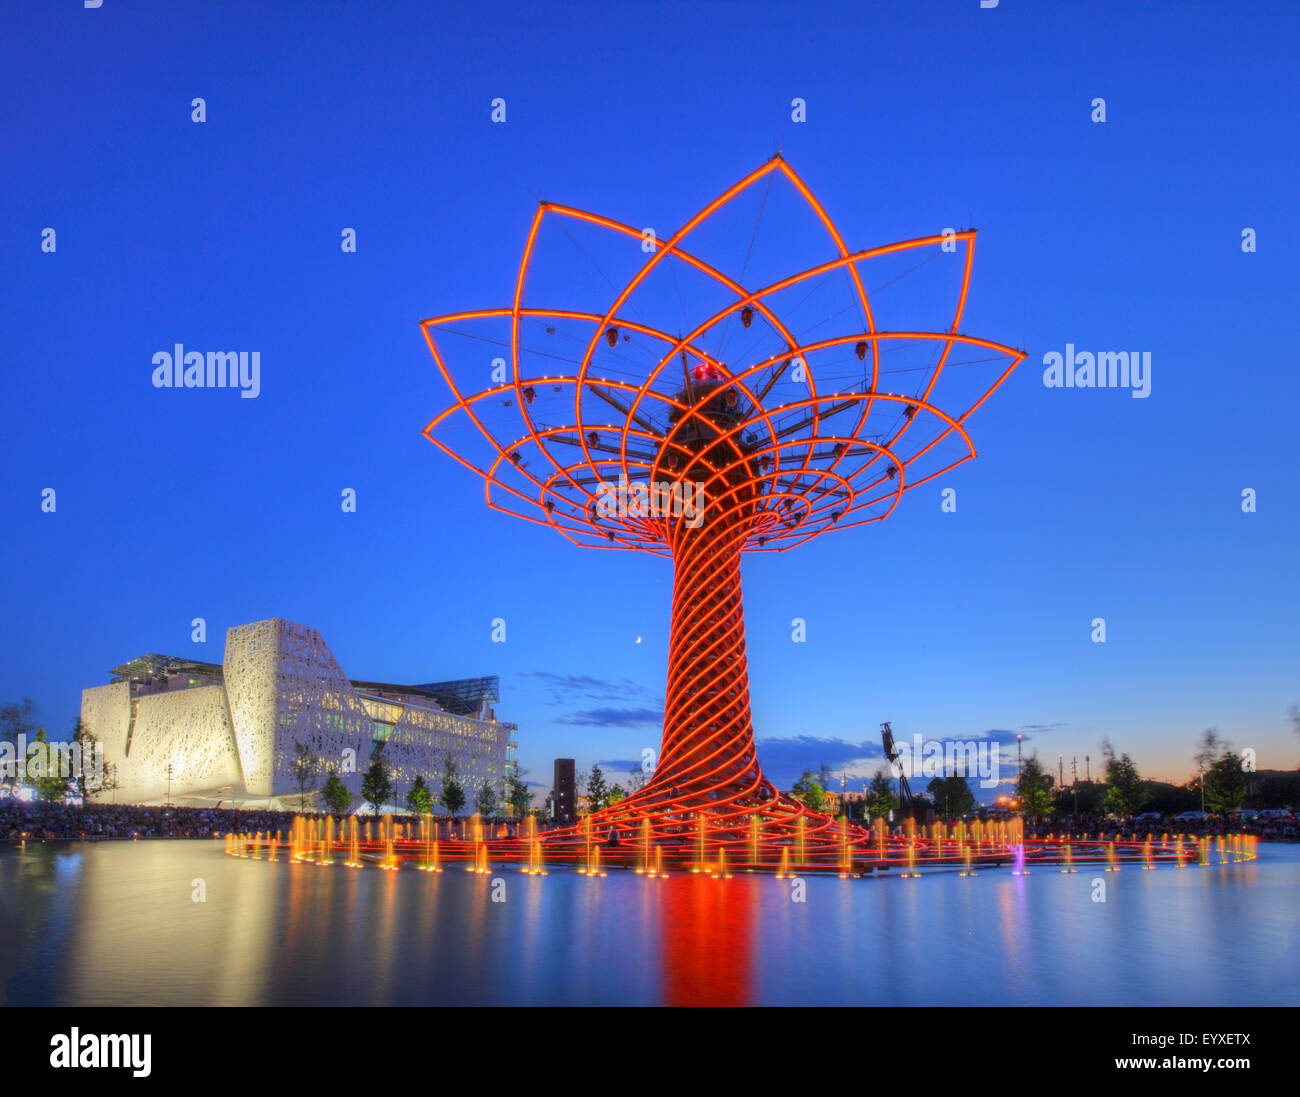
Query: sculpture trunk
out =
(708, 742)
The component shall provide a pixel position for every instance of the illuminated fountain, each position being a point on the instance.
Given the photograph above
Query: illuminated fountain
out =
(584, 828)
(354, 844)
(327, 843)
(911, 873)
(644, 866)
(722, 873)
(784, 873)
(315, 840)
(966, 852)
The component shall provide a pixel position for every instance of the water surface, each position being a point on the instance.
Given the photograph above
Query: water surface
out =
(115, 923)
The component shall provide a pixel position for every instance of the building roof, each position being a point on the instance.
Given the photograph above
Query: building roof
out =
(156, 668)
(462, 697)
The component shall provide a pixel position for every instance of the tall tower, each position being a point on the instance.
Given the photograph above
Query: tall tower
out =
(657, 441)
(562, 791)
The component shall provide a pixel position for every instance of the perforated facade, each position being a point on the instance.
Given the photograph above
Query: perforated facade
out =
(232, 732)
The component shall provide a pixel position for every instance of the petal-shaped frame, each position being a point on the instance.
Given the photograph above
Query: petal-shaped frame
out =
(807, 477)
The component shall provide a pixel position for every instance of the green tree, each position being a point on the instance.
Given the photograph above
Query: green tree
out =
(376, 784)
(616, 793)
(1212, 744)
(952, 796)
(517, 793)
(1125, 790)
(1225, 783)
(485, 799)
(420, 798)
(809, 791)
(92, 777)
(597, 789)
(17, 720)
(334, 793)
(304, 768)
(43, 771)
(1090, 796)
(1034, 789)
(452, 796)
(881, 799)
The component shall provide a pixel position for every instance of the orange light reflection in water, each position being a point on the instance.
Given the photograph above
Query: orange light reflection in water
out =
(707, 941)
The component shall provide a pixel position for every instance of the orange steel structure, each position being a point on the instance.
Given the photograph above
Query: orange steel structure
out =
(764, 475)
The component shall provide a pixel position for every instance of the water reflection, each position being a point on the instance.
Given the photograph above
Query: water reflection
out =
(706, 941)
(117, 923)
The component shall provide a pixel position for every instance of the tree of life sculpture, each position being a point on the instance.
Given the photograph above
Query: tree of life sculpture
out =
(686, 455)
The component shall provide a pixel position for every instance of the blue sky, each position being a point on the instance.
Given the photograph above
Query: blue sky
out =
(225, 235)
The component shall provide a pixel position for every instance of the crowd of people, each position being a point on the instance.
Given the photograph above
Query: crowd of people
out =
(1211, 826)
(41, 819)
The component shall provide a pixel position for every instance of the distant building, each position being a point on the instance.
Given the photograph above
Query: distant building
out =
(229, 732)
(832, 801)
(564, 805)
